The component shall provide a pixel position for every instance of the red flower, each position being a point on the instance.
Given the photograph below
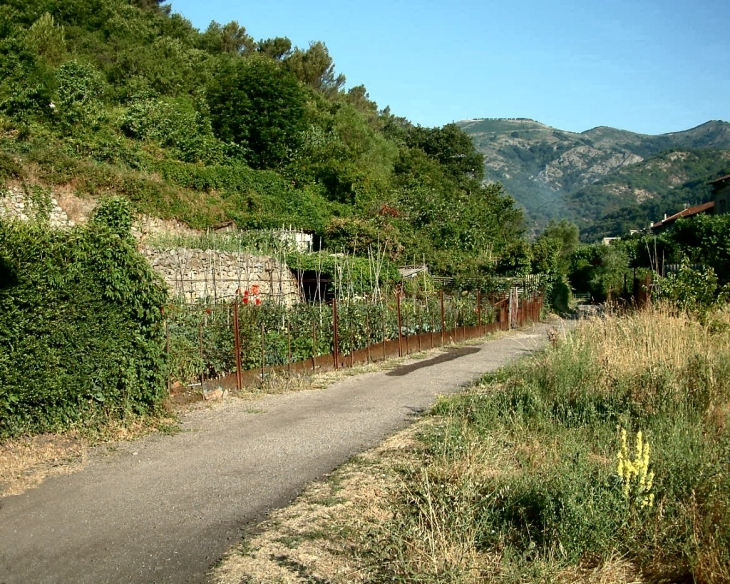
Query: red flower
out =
(245, 299)
(258, 301)
(255, 289)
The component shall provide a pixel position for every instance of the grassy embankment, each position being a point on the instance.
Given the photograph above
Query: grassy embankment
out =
(517, 479)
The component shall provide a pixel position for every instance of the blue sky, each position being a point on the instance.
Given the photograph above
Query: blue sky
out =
(650, 66)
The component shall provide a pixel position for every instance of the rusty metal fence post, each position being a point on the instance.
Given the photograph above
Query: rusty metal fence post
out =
(479, 313)
(314, 346)
(167, 351)
(237, 346)
(443, 318)
(400, 332)
(288, 347)
(336, 340)
(202, 356)
(263, 353)
(367, 332)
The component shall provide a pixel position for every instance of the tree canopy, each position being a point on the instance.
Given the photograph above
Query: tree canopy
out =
(126, 96)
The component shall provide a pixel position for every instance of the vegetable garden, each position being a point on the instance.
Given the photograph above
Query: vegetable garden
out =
(253, 338)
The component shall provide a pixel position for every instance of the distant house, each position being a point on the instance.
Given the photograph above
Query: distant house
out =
(718, 206)
(704, 208)
(721, 194)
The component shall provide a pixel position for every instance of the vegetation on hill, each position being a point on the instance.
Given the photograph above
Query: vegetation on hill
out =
(606, 180)
(635, 195)
(127, 97)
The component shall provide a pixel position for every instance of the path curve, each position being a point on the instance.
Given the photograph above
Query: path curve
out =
(166, 508)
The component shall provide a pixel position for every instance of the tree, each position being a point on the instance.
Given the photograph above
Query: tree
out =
(231, 38)
(452, 147)
(277, 48)
(47, 39)
(315, 68)
(156, 5)
(259, 106)
(564, 235)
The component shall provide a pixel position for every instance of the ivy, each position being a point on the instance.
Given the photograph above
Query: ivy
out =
(81, 337)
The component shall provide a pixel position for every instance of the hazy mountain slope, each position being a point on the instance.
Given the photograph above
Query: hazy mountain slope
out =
(548, 170)
(663, 184)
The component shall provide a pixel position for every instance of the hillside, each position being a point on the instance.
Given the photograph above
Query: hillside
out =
(584, 176)
(631, 196)
(125, 97)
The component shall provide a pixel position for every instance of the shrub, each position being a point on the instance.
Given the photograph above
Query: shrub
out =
(80, 328)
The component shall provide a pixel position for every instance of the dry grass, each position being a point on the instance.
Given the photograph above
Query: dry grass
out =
(613, 571)
(656, 340)
(26, 462)
(316, 538)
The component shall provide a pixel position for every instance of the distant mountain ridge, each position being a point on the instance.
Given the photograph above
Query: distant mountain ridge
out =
(589, 175)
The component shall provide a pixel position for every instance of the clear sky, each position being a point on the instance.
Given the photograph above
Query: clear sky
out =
(650, 66)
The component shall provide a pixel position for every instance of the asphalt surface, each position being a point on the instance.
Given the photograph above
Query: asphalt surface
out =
(166, 508)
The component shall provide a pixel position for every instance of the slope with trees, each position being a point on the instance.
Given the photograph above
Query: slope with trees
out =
(587, 177)
(126, 96)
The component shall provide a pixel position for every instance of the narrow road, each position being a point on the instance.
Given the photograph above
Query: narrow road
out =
(166, 508)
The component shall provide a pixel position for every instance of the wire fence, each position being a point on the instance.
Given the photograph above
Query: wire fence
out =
(238, 343)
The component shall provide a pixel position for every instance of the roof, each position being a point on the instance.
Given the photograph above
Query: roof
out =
(688, 212)
(720, 179)
(411, 271)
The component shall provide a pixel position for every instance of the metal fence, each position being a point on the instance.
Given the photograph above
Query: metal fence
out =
(239, 343)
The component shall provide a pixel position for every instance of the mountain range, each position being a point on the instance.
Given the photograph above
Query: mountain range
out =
(606, 180)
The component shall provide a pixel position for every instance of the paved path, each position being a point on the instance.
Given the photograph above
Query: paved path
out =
(166, 508)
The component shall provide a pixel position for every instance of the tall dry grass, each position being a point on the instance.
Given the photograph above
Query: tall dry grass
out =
(519, 478)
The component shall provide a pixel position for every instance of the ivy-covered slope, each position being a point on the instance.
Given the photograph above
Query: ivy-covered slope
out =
(124, 96)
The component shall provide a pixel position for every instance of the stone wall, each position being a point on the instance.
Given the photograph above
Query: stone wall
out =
(32, 203)
(195, 274)
(191, 274)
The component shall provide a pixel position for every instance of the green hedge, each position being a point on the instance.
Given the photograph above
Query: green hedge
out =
(81, 337)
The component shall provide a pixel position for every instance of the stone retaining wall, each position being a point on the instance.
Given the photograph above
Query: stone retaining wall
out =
(33, 203)
(198, 275)
(192, 274)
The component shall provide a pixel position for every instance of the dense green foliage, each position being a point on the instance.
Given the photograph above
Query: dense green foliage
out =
(81, 338)
(128, 97)
(701, 244)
